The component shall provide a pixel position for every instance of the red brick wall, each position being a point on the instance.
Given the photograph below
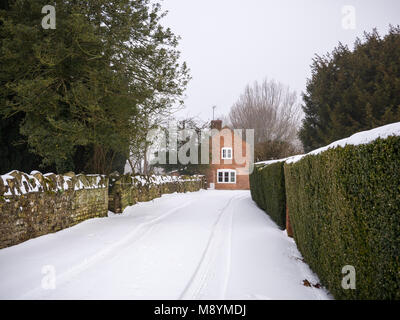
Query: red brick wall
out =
(242, 177)
(242, 183)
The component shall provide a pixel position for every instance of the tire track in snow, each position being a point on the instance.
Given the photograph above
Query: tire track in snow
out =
(229, 256)
(132, 237)
(204, 270)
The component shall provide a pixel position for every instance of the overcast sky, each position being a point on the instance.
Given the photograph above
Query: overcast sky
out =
(230, 43)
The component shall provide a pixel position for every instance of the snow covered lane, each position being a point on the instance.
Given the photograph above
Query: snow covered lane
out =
(201, 245)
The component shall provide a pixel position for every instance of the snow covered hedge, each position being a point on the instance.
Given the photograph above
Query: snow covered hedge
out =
(267, 187)
(344, 207)
(343, 203)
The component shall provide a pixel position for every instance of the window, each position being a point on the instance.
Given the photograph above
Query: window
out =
(226, 153)
(226, 176)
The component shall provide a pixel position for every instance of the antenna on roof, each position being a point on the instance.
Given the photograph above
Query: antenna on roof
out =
(213, 111)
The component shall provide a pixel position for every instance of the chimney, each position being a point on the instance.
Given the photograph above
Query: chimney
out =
(216, 124)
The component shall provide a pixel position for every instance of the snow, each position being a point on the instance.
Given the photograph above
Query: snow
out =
(268, 162)
(48, 174)
(203, 245)
(34, 184)
(161, 179)
(363, 137)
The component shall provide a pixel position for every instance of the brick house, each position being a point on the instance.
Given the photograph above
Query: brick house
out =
(229, 163)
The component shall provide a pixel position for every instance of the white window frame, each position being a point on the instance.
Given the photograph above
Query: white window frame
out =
(223, 171)
(226, 153)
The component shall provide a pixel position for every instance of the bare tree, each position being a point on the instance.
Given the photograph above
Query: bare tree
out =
(271, 109)
(151, 116)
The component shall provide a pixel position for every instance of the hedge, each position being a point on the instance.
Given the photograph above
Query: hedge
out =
(267, 187)
(344, 207)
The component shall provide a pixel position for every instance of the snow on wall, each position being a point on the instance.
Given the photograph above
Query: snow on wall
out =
(159, 179)
(36, 204)
(141, 180)
(16, 183)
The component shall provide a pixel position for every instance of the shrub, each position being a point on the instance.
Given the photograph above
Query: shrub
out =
(344, 207)
(267, 186)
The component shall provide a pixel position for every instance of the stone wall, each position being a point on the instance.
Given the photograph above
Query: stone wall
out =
(127, 190)
(34, 205)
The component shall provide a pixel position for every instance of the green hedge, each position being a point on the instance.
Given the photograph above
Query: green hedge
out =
(267, 186)
(344, 207)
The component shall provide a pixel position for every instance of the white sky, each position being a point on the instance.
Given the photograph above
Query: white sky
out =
(230, 43)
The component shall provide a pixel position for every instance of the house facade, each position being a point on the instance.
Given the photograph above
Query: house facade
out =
(230, 160)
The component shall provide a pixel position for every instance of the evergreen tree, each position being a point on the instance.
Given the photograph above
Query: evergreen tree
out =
(14, 153)
(84, 87)
(351, 91)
